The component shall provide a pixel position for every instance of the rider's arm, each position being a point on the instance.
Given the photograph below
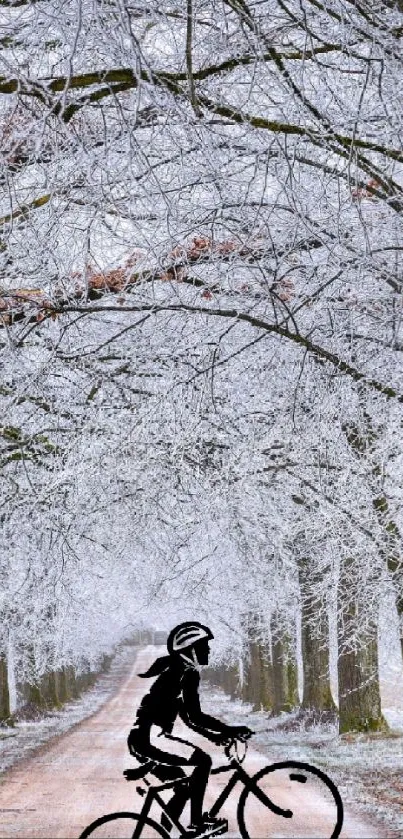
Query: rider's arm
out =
(191, 713)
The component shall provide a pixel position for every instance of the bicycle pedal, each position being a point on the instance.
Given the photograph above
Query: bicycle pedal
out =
(219, 831)
(210, 832)
(140, 790)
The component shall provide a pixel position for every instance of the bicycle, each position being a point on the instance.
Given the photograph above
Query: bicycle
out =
(128, 825)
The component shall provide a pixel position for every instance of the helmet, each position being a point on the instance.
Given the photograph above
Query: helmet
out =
(186, 634)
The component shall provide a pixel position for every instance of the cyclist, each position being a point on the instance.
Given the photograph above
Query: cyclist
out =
(175, 693)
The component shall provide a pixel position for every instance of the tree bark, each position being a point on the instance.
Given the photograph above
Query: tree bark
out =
(32, 694)
(71, 682)
(392, 555)
(391, 549)
(359, 695)
(292, 676)
(317, 695)
(226, 678)
(49, 691)
(266, 694)
(253, 688)
(231, 681)
(61, 686)
(284, 678)
(5, 714)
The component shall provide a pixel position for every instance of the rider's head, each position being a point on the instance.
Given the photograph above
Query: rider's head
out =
(191, 641)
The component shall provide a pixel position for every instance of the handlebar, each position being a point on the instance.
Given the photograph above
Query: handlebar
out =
(233, 743)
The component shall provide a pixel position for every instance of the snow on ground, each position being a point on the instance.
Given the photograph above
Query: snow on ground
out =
(26, 737)
(366, 769)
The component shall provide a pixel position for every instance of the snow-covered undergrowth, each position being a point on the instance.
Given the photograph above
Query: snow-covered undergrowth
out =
(366, 769)
(21, 741)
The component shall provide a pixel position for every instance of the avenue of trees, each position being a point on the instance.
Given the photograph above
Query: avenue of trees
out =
(201, 341)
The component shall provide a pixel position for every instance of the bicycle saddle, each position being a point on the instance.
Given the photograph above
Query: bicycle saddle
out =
(139, 772)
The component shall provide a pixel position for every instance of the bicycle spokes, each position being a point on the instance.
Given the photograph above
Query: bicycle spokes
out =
(291, 800)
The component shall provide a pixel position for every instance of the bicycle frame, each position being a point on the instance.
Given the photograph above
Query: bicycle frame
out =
(248, 783)
(153, 795)
(239, 774)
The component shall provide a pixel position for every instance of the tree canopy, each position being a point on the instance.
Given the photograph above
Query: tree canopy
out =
(201, 298)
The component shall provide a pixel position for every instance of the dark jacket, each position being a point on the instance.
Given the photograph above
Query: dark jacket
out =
(176, 693)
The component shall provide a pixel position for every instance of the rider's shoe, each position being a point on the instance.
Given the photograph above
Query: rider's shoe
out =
(207, 827)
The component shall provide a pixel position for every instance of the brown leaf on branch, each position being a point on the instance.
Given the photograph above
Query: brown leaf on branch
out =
(179, 252)
(285, 289)
(226, 247)
(363, 192)
(92, 283)
(200, 246)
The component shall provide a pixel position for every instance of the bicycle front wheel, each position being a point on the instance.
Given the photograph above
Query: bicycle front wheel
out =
(290, 800)
(123, 826)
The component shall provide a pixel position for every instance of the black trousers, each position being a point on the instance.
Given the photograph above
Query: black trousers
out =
(170, 767)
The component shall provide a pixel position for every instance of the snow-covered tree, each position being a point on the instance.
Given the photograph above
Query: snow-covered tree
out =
(201, 311)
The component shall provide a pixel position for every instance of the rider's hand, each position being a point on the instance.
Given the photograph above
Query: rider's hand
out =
(241, 732)
(234, 732)
(222, 740)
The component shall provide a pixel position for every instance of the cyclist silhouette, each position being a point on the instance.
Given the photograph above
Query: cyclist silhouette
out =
(175, 693)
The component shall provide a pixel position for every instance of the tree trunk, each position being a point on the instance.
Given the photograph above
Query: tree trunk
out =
(359, 695)
(279, 677)
(257, 684)
(267, 684)
(231, 681)
(292, 676)
(32, 694)
(48, 689)
(317, 695)
(391, 549)
(226, 678)
(71, 682)
(279, 669)
(85, 680)
(266, 694)
(284, 677)
(392, 553)
(252, 688)
(5, 714)
(61, 686)
(41, 694)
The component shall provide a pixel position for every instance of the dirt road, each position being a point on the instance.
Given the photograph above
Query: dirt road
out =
(79, 778)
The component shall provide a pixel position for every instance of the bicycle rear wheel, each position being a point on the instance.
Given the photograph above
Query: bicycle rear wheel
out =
(309, 800)
(122, 826)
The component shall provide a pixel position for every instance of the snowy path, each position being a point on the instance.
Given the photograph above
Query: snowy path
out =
(79, 777)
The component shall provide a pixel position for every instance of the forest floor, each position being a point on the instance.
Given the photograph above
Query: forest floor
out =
(77, 777)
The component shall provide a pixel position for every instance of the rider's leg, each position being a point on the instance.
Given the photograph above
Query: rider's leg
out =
(194, 789)
(198, 781)
(180, 796)
(146, 744)
(143, 743)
